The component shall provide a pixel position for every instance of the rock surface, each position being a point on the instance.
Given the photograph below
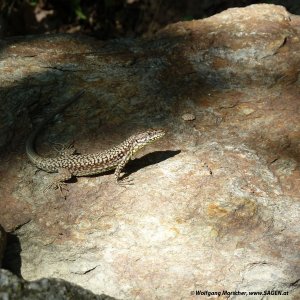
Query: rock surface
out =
(2, 243)
(12, 287)
(214, 207)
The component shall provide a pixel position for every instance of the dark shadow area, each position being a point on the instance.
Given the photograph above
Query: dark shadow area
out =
(12, 255)
(29, 90)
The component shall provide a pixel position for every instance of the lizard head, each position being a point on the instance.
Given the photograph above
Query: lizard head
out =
(144, 138)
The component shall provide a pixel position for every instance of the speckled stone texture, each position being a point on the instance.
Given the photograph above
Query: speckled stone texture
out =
(215, 203)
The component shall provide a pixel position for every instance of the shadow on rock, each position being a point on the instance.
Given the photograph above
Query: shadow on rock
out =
(12, 255)
(148, 160)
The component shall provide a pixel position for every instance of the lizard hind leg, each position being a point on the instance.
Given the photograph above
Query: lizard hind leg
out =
(58, 182)
(65, 149)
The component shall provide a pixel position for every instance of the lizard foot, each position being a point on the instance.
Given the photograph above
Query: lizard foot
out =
(125, 182)
(58, 182)
(57, 185)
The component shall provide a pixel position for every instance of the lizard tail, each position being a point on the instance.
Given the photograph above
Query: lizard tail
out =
(30, 150)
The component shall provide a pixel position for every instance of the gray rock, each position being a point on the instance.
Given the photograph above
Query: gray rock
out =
(15, 288)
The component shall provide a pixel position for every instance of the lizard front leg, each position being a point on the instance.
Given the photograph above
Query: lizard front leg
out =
(120, 167)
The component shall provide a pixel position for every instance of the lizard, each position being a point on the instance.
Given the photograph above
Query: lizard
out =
(70, 164)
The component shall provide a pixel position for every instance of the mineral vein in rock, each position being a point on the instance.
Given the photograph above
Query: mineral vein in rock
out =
(70, 164)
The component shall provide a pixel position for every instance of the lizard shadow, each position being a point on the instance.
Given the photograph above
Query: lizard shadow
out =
(148, 160)
(142, 162)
